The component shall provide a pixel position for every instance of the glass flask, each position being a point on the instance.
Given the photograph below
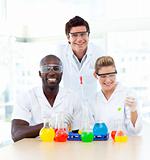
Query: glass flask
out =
(47, 133)
(100, 129)
(120, 135)
(86, 126)
(61, 133)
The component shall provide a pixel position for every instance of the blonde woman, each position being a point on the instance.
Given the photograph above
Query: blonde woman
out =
(113, 103)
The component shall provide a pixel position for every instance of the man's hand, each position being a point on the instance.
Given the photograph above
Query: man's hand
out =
(131, 103)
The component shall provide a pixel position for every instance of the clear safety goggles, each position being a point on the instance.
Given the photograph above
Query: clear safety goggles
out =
(51, 67)
(75, 35)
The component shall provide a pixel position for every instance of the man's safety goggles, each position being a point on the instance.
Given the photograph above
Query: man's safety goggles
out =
(51, 67)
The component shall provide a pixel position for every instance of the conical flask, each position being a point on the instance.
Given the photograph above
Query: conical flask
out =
(120, 136)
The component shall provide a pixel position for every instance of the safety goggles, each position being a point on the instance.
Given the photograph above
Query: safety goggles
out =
(110, 75)
(51, 67)
(75, 35)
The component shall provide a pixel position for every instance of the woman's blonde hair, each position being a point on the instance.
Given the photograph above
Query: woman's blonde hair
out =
(104, 61)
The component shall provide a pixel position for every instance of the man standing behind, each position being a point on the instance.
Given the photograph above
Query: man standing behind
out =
(78, 58)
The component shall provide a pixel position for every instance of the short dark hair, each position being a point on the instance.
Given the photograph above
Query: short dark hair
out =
(74, 22)
(50, 56)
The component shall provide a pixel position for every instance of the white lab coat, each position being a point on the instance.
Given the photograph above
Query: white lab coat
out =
(107, 111)
(71, 72)
(33, 106)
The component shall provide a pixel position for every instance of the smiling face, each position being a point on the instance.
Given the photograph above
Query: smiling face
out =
(51, 71)
(78, 39)
(105, 72)
(107, 78)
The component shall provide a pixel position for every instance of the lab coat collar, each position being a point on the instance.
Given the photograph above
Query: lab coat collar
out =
(59, 98)
(71, 59)
(41, 97)
(117, 89)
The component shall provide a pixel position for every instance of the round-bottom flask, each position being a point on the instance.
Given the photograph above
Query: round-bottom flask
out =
(61, 133)
(47, 133)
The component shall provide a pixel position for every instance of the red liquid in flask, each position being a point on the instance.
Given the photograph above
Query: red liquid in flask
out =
(61, 135)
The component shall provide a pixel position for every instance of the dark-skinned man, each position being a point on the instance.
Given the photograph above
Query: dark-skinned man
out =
(44, 102)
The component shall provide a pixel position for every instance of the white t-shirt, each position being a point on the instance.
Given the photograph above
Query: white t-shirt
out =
(33, 106)
(114, 112)
(73, 69)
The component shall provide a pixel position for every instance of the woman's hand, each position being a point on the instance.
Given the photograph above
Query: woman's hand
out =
(131, 103)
